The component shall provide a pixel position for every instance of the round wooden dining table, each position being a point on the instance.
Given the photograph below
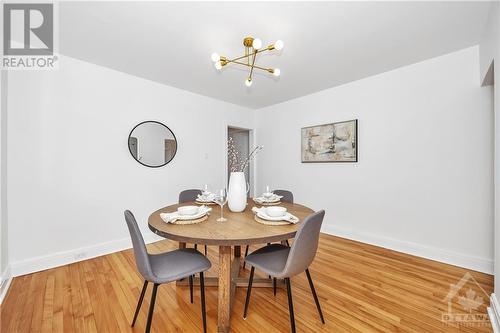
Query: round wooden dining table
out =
(239, 229)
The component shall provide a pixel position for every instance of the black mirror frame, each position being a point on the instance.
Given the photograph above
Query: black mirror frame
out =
(162, 124)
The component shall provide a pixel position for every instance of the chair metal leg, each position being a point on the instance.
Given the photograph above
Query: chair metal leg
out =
(274, 286)
(191, 288)
(151, 307)
(206, 251)
(313, 290)
(196, 246)
(290, 303)
(287, 243)
(139, 303)
(249, 291)
(246, 253)
(203, 311)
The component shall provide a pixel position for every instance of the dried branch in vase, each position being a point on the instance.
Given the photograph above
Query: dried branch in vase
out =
(236, 161)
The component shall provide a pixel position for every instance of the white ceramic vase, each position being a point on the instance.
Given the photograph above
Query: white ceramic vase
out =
(237, 193)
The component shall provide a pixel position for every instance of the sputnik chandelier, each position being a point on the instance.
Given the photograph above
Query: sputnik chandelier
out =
(253, 46)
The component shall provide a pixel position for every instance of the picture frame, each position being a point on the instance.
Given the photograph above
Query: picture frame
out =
(330, 143)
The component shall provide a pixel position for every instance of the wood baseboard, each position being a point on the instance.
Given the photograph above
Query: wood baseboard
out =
(5, 281)
(484, 265)
(494, 313)
(68, 257)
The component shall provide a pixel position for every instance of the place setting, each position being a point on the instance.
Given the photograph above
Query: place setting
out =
(274, 215)
(187, 215)
(268, 198)
(193, 214)
(206, 197)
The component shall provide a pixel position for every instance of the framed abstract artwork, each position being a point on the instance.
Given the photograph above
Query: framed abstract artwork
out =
(336, 142)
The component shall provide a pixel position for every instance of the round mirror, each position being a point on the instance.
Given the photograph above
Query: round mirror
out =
(152, 144)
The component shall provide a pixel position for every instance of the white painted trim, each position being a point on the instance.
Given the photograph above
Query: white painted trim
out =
(494, 313)
(68, 257)
(484, 265)
(5, 281)
(226, 170)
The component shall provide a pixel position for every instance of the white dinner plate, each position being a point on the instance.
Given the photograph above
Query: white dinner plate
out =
(287, 217)
(201, 212)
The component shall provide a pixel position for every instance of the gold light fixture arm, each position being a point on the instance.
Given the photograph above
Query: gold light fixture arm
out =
(248, 55)
(270, 70)
(253, 63)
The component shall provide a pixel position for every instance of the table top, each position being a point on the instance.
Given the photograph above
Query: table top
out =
(239, 229)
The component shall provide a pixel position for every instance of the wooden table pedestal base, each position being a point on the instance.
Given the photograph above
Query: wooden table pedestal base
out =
(227, 281)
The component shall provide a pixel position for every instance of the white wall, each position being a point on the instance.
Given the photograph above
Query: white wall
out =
(496, 16)
(490, 52)
(423, 183)
(424, 180)
(70, 172)
(4, 272)
(488, 46)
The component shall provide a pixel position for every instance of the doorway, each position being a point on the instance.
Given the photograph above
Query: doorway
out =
(241, 138)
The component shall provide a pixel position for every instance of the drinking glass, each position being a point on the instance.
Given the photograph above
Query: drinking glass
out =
(221, 200)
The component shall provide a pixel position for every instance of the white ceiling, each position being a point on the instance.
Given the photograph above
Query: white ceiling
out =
(326, 43)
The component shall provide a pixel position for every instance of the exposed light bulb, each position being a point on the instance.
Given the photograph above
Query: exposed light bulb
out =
(215, 57)
(248, 82)
(278, 45)
(218, 65)
(257, 43)
(276, 72)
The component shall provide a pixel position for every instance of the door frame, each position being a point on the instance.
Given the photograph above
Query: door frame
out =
(253, 164)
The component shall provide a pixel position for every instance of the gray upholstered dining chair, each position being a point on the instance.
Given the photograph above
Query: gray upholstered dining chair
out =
(164, 268)
(188, 196)
(287, 197)
(282, 261)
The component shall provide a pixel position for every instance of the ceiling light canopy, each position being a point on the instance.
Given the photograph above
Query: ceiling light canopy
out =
(252, 47)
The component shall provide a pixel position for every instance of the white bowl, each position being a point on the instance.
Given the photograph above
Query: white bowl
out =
(276, 211)
(267, 195)
(188, 210)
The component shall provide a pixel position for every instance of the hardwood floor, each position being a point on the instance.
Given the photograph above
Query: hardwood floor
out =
(362, 288)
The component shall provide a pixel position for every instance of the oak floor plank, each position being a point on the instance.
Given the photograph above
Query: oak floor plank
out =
(38, 301)
(48, 303)
(35, 288)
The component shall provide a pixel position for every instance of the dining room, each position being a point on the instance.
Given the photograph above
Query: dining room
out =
(249, 166)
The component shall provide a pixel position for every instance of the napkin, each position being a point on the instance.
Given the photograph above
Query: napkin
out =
(287, 217)
(174, 216)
